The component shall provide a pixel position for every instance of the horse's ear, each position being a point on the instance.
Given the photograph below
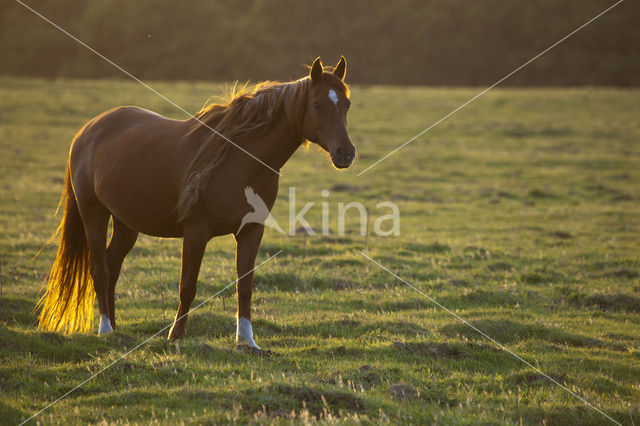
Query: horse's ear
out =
(316, 70)
(341, 69)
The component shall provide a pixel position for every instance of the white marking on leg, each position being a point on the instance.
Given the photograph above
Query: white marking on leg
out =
(105, 325)
(244, 333)
(334, 97)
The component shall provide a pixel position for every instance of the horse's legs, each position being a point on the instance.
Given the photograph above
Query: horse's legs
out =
(96, 219)
(122, 241)
(248, 242)
(193, 247)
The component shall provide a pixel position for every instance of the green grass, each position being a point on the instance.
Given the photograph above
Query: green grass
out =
(520, 213)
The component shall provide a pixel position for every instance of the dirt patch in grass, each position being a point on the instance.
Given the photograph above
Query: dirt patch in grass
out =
(459, 283)
(434, 350)
(282, 399)
(541, 276)
(368, 376)
(499, 266)
(538, 193)
(621, 197)
(532, 378)
(402, 391)
(437, 247)
(561, 235)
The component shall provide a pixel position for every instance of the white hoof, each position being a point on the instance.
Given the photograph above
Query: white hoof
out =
(105, 325)
(244, 333)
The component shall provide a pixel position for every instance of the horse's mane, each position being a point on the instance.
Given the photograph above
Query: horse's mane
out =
(247, 112)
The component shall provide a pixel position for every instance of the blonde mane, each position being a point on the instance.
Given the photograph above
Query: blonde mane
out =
(248, 112)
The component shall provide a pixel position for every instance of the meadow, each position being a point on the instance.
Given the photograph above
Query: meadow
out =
(520, 213)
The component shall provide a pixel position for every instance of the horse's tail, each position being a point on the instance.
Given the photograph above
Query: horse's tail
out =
(67, 305)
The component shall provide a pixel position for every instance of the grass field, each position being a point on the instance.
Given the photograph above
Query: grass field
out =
(520, 213)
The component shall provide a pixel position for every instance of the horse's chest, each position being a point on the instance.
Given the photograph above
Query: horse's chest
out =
(228, 204)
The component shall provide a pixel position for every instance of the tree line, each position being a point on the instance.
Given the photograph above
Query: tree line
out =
(406, 42)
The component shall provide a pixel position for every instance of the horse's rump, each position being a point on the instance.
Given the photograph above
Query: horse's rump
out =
(133, 162)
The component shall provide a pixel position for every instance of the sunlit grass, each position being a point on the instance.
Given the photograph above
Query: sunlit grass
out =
(520, 213)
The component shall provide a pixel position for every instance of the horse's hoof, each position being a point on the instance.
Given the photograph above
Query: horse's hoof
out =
(174, 338)
(105, 325)
(256, 351)
(175, 334)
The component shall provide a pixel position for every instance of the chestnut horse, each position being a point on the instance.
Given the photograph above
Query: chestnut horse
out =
(177, 178)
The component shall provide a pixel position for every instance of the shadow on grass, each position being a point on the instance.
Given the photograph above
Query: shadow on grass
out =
(274, 400)
(616, 302)
(11, 415)
(48, 346)
(126, 398)
(18, 311)
(291, 282)
(280, 400)
(348, 328)
(576, 415)
(481, 298)
(507, 331)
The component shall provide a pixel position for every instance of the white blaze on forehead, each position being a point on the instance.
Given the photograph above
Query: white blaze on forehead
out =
(334, 97)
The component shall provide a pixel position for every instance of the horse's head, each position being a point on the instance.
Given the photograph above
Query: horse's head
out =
(325, 120)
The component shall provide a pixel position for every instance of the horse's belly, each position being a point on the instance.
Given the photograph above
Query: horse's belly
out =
(143, 200)
(146, 217)
(142, 207)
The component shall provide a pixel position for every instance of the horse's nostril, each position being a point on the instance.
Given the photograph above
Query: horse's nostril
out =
(339, 152)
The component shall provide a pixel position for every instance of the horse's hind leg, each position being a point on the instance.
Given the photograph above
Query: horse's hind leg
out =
(121, 243)
(96, 220)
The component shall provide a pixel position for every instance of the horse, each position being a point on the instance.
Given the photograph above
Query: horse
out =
(183, 179)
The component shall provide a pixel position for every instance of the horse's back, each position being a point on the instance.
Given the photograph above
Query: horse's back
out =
(132, 161)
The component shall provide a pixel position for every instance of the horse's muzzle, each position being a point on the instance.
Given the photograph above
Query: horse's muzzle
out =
(343, 157)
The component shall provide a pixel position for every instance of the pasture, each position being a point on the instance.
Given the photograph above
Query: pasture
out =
(519, 213)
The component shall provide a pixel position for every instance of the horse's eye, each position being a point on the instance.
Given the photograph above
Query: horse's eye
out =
(316, 106)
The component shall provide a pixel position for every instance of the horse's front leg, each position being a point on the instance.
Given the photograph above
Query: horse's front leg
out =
(248, 241)
(193, 247)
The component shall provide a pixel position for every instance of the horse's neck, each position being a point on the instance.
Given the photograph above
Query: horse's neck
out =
(277, 145)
